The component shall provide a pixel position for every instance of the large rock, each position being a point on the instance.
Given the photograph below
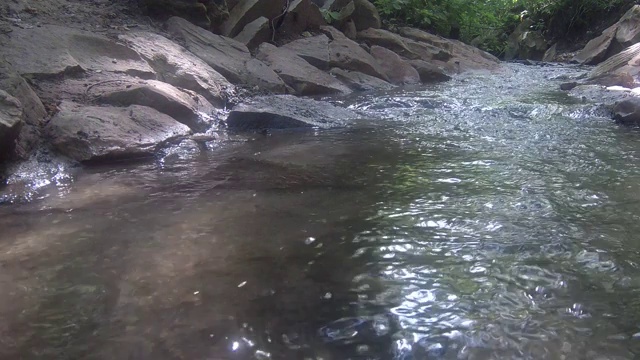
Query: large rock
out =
(51, 51)
(358, 81)
(429, 72)
(624, 33)
(626, 62)
(525, 43)
(177, 66)
(365, 15)
(315, 50)
(10, 123)
(303, 77)
(91, 133)
(191, 110)
(301, 15)
(227, 56)
(397, 70)
(286, 111)
(247, 11)
(627, 111)
(387, 39)
(255, 33)
(464, 57)
(334, 49)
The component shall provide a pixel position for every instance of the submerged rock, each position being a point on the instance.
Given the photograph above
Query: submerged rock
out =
(286, 111)
(92, 133)
(627, 111)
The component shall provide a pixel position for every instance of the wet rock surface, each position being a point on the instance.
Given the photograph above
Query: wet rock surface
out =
(358, 81)
(10, 123)
(285, 112)
(95, 134)
(627, 111)
(399, 71)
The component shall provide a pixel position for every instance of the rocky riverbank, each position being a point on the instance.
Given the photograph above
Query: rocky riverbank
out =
(100, 81)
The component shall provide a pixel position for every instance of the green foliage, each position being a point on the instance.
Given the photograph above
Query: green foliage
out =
(487, 23)
(329, 16)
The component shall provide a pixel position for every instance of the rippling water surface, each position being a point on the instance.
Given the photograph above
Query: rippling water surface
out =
(491, 217)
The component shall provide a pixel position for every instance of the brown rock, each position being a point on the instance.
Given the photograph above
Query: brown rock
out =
(397, 70)
(91, 133)
(303, 77)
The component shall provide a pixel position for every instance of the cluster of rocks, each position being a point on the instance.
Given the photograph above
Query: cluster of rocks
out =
(614, 79)
(92, 97)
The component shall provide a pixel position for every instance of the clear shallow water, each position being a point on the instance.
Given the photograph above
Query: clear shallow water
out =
(487, 218)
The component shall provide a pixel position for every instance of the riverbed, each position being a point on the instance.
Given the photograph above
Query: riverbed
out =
(489, 217)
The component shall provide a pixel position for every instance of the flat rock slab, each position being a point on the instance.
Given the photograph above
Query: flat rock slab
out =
(248, 10)
(229, 57)
(429, 72)
(286, 112)
(255, 33)
(347, 54)
(188, 109)
(96, 134)
(303, 77)
(51, 50)
(177, 66)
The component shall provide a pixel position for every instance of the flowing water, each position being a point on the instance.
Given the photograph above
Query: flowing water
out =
(491, 217)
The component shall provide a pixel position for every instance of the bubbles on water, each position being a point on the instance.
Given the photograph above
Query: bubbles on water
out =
(578, 310)
(310, 240)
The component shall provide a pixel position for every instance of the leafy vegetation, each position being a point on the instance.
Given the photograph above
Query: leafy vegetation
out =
(487, 23)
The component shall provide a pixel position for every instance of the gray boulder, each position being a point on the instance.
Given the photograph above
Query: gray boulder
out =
(303, 77)
(50, 51)
(358, 81)
(177, 66)
(286, 111)
(365, 15)
(387, 39)
(315, 50)
(227, 56)
(10, 123)
(349, 55)
(91, 133)
(189, 109)
(255, 33)
(397, 70)
(627, 111)
(626, 62)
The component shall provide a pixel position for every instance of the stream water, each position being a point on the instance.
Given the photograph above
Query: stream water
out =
(490, 217)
